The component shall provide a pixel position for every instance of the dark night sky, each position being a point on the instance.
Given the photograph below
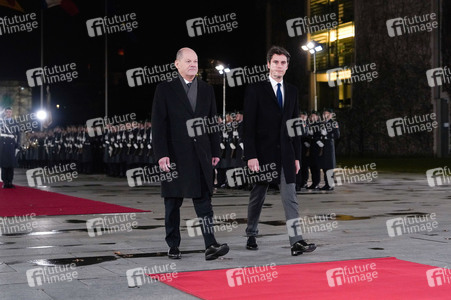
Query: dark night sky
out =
(161, 32)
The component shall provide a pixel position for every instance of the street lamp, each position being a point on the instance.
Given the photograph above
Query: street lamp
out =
(313, 47)
(222, 70)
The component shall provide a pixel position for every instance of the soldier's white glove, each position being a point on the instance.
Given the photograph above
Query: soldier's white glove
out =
(307, 144)
(135, 145)
(232, 146)
(319, 143)
(242, 146)
(222, 146)
(323, 131)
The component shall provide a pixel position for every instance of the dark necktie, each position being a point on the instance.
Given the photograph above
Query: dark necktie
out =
(189, 84)
(279, 95)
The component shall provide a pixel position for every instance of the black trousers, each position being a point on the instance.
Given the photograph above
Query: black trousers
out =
(7, 176)
(204, 211)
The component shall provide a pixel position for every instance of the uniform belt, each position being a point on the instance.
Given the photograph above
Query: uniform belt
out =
(7, 135)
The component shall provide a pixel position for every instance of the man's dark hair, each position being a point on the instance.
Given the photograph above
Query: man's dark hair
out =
(279, 51)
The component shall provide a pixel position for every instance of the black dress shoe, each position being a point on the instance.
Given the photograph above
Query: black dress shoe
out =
(313, 187)
(215, 251)
(251, 243)
(327, 188)
(301, 247)
(174, 253)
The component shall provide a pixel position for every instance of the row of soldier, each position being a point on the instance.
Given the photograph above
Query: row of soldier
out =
(130, 146)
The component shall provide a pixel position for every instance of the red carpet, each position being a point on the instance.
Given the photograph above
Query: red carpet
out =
(24, 200)
(378, 278)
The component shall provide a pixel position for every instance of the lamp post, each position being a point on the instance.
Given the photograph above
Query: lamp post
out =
(313, 47)
(223, 72)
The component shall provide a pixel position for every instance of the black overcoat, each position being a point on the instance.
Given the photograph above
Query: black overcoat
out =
(170, 137)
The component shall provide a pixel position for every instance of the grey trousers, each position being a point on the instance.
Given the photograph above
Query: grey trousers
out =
(257, 198)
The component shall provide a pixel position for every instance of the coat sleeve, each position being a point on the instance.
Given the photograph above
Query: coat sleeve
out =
(250, 123)
(214, 136)
(297, 139)
(160, 125)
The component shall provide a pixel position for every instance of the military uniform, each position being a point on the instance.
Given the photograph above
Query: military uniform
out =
(329, 134)
(315, 150)
(9, 142)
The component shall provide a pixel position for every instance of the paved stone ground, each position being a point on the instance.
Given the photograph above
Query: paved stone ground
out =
(361, 211)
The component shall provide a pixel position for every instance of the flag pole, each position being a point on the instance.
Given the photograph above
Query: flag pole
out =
(106, 65)
(42, 59)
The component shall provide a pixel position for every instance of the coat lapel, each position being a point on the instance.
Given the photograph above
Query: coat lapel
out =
(270, 91)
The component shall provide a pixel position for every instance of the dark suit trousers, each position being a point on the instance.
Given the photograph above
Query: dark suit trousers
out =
(204, 210)
(7, 175)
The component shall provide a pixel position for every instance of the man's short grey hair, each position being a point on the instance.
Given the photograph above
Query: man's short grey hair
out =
(179, 54)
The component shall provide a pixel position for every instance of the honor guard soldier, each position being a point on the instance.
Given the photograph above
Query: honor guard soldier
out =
(9, 142)
(329, 134)
(315, 150)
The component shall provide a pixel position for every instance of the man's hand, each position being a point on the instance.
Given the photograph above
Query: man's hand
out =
(214, 161)
(253, 165)
(298, 165)
(164, 164)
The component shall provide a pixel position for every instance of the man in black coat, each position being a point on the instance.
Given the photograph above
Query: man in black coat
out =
(268, 106)
(183, 141)
(9, 142)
